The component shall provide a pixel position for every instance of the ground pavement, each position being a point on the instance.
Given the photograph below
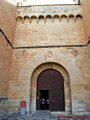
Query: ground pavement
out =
(38, 115)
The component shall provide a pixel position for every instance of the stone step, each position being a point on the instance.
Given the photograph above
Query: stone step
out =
(41, 115)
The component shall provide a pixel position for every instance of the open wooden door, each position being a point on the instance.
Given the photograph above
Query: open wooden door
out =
(50, 88)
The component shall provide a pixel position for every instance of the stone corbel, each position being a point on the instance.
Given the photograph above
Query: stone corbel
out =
(37, 20)
(23, 20)
(52, 19)
(60, 19)
(30, 20)
(75, 19)
(67, 19)
(45, 20)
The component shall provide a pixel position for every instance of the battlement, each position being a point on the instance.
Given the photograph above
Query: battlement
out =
(49, 25)
(48, 9)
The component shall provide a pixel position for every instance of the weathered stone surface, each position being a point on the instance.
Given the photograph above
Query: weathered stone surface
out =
(56, 40)
(14, 116)
(55, 26)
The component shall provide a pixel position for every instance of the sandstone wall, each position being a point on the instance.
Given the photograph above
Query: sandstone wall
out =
(7, 19)
(5, 64)
(49, 26)
(7, 30)
(75, 60)
(62, 28)
(86, 14)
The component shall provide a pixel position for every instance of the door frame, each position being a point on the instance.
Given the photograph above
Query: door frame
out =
(67, 85)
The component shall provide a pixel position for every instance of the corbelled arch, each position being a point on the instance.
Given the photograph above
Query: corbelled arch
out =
(48, 57)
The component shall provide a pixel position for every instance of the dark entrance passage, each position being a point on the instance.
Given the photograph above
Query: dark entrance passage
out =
(44, 99)
(50, 91)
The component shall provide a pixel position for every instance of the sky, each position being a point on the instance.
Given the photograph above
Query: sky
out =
(43, 2)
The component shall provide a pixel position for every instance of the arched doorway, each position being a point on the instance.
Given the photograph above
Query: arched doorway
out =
(57, 61)
(50, 91)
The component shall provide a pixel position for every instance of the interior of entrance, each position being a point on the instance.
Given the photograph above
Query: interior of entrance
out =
(44, 99)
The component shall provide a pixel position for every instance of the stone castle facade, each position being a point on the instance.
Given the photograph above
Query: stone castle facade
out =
(38, 38)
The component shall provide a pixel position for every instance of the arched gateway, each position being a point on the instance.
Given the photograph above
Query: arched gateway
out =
(61, 65)
(50, 91)
(50, 81)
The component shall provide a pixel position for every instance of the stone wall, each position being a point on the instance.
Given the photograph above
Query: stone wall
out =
(7, 19)
(7, 30)
(45, 37)
(50, 37)
(5, 63)
(86, 14)
(49, 26)
(75, 60)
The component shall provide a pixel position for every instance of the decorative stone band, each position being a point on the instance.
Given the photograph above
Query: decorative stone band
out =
(43, 18)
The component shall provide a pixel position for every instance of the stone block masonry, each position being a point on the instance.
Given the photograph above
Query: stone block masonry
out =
(36, 38)
(77, 65)
(51, 26)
